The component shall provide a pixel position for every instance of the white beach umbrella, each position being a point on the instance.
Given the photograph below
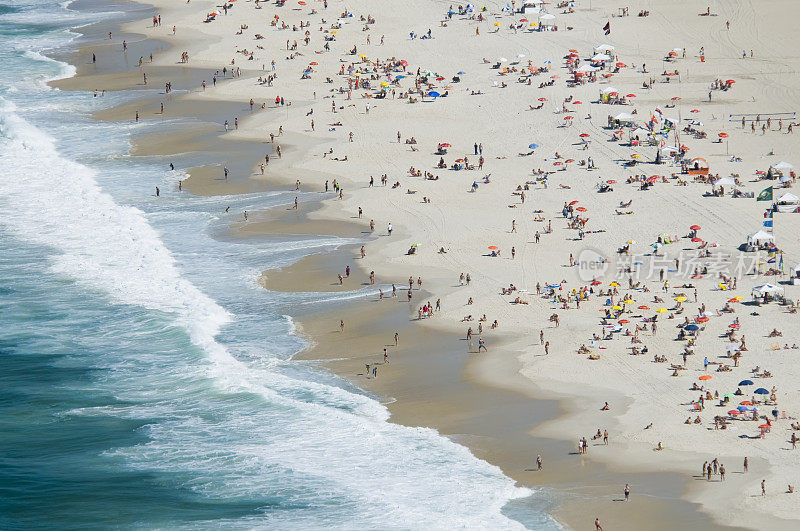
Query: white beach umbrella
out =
(782, 165)
(501, 59)
(603, 48)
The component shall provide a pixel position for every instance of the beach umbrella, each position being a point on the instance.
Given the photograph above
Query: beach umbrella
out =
(571, 203)
(745, 403)
(695, 111)
(445, 144)
(461, 73)
(696, 239)
(611, 181)
(761, 391)
(584, 135)
(433, 94)
(573, 51)
(741, 408)
(702, 319)
(614, 284)
(384, 84)
(577, 102)
(440, 78)
(746, 382)
(533, 146)
(692, 328)
(764, 427)
(542, 99)
(636, 156)
(705, 377)
(569, 161)
(498, 24)
(616, 307)
(568, 117)
(621, 65)
(596, 282)
(493, 247)
(629, 301)
(676, 98)
(723, 135)
(501, 59)
(581, 209)
(694, 227)
(733, 300)
(680, 298)
(643, 307)
(734, 412)
(662, 310)
(630, 96)
(520, 55)
(731, 81)
(623, 321)
(553, 77)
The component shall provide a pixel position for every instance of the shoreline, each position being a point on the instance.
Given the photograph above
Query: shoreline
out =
(499, 372)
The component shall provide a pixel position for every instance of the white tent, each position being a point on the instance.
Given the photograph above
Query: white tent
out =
(760, 237)
(601, 57)
(763, 289)
(547, 19)
(724, 181)
(624, 117)
(603, 48)
(796, 268)
(788, 199)
(782, 166)
(584, 68)
(609, 90)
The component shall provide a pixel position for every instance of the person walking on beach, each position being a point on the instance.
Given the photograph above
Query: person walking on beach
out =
(538, 462)
(746, 464)
(597, 526)
(158, 192)
(763, 487)
(482, 345)
(341, 325)
(627, 492)
(389, 228)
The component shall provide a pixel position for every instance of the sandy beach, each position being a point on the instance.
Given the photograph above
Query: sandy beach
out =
(575, 227)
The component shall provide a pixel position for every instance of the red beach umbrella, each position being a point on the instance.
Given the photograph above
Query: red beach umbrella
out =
(705, 377)
(723, 135)
(643, 307)
(676, 98)
(630, 96)
(731, 81)
(694, 227)
(696, 239)
(574, 202)
(623, 321)
(581, 209)
(584, 135)
(542, 99)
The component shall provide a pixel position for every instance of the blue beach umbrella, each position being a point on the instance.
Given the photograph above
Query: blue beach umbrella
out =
(742, 408)
(761, 391)
(433, 94)
(691, 327)
(746, 382)
(461, 73)
(533, 146)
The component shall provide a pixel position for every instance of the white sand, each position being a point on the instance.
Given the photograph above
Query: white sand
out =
(639, 390)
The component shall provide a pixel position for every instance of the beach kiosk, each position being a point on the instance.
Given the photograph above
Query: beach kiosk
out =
(760, 239)
(697, 166)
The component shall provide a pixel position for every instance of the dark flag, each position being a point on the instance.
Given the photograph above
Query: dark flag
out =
(607, 28)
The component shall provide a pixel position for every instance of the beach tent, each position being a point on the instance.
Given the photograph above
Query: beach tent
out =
(782, 166)
(600, 57)
(763, 289)
(603, 48)
(788, 199)
(724, 181)
(584, 68)
(624, 117)
(547, 19)
(609, 90)
(760, 237)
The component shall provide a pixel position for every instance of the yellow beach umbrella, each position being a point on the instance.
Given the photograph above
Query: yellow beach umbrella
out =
(662, 310)
(497, 24)
(636, 156)
(384, 84)
(614, 285)
(361, 55)
(616, 307)
(629, 301)
(680, 299)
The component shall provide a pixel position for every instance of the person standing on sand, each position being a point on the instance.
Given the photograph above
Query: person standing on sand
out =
(627, 492)
(597, 525)
(746, 464)
(341, 325)
(547, 348)
(538, 462)
(158, 192)
(389, 228)
(482, 345)
(541, 337)
(763, 487)
(396, 338)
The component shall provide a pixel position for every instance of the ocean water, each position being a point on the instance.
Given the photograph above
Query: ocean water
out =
(145, 379)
